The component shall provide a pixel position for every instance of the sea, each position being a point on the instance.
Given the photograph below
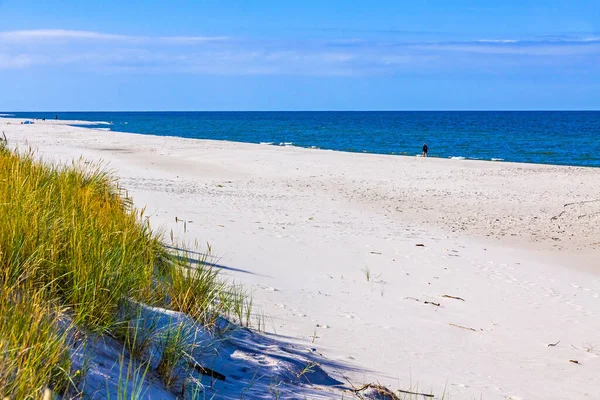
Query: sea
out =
(544, 137)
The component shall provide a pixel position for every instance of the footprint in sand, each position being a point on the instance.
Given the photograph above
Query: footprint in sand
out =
(268, 288)
(297, 313)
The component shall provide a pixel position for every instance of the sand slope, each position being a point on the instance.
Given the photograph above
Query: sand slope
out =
(303, 228)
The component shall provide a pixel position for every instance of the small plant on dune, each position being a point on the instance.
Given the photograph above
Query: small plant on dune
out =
(33, 351)
(274, 388)
(135, 332)
(261, 323)
(196, 289)
(314, 336)
(590, 348)
(367, 272)
(238, 305)
(175, 348)
(369, 275)
(130, 384)
(308, 369)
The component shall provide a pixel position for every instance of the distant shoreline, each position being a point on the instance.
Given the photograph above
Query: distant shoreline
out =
(451, 135)
(104, 126)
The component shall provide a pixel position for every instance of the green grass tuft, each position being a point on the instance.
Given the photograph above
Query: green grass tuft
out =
(71, 244)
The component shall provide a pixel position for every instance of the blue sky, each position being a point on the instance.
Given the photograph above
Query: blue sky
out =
(304, 55)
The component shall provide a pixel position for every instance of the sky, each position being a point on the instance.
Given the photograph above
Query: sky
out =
(116, 55)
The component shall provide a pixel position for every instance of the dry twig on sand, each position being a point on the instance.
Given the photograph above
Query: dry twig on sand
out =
(421, 301)
(453, 297)
(554, 218)
(373, 391)
(418, 394)
(464, 327)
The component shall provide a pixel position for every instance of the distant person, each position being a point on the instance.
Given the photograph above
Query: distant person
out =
(425, 149)
(56, 117)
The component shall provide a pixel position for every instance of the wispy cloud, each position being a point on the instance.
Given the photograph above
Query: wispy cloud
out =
(41, 34)
(74, 35)
(97, 51)
(497, 41)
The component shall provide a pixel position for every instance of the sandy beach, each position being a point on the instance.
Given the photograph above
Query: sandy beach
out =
(449, 276)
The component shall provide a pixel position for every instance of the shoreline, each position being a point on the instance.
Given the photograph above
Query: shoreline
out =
(82, 123)
(328, 242)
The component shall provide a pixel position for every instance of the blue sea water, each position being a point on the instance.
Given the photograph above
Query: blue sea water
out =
(548, 137)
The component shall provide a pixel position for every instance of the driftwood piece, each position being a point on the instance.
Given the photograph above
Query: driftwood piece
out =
(421, 301)
(207, 371)
(553, 344)
(453, 297)
(463, 327)
(574, 361)
(416, 393)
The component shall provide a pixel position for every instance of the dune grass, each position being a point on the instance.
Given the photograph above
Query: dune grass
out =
(72, 245)
(33, 352)
(68, 230)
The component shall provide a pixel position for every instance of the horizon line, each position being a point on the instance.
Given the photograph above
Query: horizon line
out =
(308, 110)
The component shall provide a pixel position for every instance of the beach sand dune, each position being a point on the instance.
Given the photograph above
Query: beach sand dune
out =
(446, 275)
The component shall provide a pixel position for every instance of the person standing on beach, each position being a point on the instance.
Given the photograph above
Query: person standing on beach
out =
(425, 149)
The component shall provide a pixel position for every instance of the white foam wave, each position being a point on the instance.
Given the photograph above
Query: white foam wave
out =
(267, 143)
(497, 159)
(458, 158)
(102, 129)
(286, 144)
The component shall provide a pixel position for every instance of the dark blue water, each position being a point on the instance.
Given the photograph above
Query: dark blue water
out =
(548, 137)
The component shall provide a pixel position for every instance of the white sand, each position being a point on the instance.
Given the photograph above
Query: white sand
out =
(300, 227)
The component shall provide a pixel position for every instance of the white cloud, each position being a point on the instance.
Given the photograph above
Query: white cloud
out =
(96, 51)
(551, 49)
(497, 41)
(193, 39)
(40, 34)
(74, 35)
